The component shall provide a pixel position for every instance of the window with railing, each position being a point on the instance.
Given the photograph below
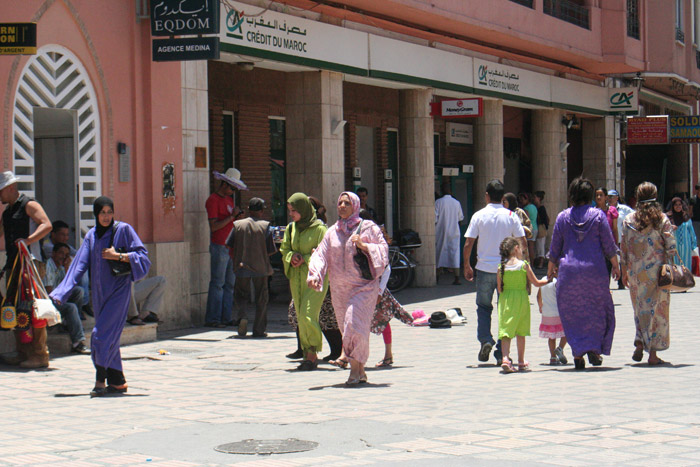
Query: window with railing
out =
(680, 33)
(633, 18)
(527, 3)
(568, 11)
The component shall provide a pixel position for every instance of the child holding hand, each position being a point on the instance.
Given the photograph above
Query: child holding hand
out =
(513, 277)
(550, 327)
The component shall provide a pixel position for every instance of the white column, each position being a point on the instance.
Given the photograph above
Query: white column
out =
(488, 150)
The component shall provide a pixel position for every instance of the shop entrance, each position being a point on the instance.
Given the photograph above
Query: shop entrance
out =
(462, 186)
(56, 165)
(665, 166)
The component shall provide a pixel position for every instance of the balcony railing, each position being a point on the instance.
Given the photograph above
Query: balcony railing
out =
(680, 35)
(527, 3)
(568, 11)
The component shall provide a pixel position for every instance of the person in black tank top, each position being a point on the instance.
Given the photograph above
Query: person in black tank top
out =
(30, 334)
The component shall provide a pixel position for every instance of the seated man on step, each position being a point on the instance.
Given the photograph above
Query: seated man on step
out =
(56, 267)
(146, 296)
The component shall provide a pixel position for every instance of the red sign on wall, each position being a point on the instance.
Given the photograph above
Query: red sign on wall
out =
(647, 130)
(457, 108)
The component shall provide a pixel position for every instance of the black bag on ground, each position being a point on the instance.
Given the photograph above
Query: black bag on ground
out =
(118, 268)
(361, 259)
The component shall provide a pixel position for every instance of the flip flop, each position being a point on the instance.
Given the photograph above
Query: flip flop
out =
(638, 354)
(343, 364)
(658, 362)
(135, 321)
(385, 363)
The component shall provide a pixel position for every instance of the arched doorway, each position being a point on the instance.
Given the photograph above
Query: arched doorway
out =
(56, 137)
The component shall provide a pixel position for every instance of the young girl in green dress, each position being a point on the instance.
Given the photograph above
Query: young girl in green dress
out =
(514, 274)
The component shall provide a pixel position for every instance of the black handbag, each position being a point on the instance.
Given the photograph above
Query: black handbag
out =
(361, 260)
(116, 267)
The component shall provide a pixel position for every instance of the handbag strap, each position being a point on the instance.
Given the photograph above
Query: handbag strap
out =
(111, 237)
(359, 227)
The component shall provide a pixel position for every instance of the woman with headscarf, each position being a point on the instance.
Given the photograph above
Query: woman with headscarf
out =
(354, 297)
(326, 318)
(647, 243)
(683, 231)
(116, 241)
(581, 242)
(302, 235)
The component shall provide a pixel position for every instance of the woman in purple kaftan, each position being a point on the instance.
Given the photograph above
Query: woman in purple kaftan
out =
(581, 241)
(110, 294)
(354, 298)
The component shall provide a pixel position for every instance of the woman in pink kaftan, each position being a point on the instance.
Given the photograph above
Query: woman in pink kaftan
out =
(354, 298)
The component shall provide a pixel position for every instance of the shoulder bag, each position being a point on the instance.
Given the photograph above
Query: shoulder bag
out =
(41, 305)
(116, 267)
(361, 259)
(675, 277)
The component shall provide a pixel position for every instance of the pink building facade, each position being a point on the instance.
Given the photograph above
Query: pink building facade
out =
(323, 96)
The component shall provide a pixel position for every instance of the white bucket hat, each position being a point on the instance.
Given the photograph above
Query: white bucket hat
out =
(453, 315)
(232, 177)
(7, 179)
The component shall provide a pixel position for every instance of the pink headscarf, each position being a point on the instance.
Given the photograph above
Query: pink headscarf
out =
(347, 225)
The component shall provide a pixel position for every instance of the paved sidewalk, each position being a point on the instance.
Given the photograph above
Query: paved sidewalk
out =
(436, 406)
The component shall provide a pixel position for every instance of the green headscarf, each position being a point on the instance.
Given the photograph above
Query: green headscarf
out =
(301, 204)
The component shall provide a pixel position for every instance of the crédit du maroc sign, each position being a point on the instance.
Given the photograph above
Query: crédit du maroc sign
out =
(184, 17)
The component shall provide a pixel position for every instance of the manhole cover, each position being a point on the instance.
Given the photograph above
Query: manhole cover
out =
(267, 446)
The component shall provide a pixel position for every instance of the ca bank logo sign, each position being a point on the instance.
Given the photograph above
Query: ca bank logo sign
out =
(481, 74)
(234, 23)
(621, 100)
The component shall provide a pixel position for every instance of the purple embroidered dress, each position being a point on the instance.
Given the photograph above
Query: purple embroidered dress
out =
(110, 294)
(581, 241)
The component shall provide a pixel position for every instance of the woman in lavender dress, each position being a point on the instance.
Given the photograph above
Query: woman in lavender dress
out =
(581, 241)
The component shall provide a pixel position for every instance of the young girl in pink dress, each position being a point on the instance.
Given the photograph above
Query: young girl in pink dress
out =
(550, 327)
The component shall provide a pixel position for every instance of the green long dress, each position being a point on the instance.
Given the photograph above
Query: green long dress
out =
(306, 300)
(514, 304)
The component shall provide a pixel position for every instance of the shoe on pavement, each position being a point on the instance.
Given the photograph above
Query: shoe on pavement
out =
(307, 365)
(559, 352)
(243, 327)
(485, 351)
(259, 335)
(81, 349)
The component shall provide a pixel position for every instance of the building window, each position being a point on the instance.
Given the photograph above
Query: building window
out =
(696, 23)
(680, 34)
(278, 158)
(633, 18)
(569, 11)
(229, 159)
(527, 3)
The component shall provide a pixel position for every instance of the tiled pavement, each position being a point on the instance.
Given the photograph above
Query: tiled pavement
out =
(437, 406)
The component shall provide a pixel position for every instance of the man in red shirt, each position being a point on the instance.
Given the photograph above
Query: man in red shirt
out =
(221, 213)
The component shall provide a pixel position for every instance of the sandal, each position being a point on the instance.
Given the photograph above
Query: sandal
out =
(507, 365)
(657, 362)
(117, 389)
(524, 366)
(307, 365)
(363, 378)
(594, 359)
(98, 392)
(385, 363)
(352, 382)
(553, 361)
(135, 321)
(342, 364)
(638, 354)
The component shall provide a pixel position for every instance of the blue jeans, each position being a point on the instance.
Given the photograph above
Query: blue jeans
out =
(71, 317)
(485, 286)
(220, 298)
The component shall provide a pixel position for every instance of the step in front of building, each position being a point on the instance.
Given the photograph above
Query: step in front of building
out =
(59, 342)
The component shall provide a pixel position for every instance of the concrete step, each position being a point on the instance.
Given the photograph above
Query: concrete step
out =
(59, 341)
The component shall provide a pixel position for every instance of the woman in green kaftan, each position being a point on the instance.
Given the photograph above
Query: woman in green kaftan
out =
(301, 237)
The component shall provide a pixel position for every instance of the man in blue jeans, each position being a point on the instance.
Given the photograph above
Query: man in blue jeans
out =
(221, 213)
(490, 225)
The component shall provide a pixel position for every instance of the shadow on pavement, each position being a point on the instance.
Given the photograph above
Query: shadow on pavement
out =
(344, 386)
(601, 369)
(662, 365)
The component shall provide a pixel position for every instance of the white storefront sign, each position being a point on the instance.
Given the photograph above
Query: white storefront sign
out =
(459, 133)
(461, 107)
(503, 79)
(291, 36)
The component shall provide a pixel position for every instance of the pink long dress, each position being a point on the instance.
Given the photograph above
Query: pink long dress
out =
(354, 298)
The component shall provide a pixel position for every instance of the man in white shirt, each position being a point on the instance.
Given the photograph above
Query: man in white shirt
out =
(56, 267)
(490, 225)
(448, 214)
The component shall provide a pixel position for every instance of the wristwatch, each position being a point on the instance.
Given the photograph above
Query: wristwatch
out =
(120, 256)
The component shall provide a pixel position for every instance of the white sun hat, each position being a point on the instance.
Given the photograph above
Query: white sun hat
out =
(232, 177)
(7, 179)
